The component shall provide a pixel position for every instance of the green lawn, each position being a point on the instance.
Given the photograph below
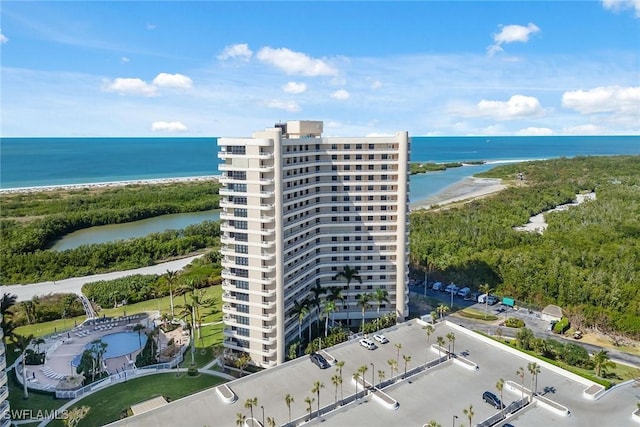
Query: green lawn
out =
(473, 313)
(107, 405)
(36, 401)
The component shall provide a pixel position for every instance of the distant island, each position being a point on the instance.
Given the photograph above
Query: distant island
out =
(419, 167)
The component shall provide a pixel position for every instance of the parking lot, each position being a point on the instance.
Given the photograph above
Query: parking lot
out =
(439, 394)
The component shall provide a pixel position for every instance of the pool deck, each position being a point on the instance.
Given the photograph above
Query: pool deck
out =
(62, 348)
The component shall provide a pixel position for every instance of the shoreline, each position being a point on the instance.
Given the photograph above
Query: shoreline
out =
(108, 184)
(464, 190)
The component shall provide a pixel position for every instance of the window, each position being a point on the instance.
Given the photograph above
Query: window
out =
(240, 212)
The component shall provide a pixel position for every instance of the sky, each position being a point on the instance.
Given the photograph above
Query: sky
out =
(365, 68)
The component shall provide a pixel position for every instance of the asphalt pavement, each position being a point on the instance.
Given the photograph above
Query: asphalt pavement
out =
(531, 318)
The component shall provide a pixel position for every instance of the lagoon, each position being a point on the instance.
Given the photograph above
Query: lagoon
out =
(130, 230)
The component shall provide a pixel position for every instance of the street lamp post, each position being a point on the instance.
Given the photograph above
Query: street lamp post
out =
(373, 371)
(453, 422)
(262, 407)
(452, 298)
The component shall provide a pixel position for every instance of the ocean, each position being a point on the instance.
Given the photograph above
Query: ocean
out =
(36, 162)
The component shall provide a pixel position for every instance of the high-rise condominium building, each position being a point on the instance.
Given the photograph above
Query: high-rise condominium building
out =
(298, 209)
(5, 421)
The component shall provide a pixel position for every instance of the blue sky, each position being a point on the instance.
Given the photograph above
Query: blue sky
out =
(205, 68)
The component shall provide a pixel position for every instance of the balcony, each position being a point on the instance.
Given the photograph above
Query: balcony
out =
(4, 393)
(3, 363)
(4, 410)
(3, 378)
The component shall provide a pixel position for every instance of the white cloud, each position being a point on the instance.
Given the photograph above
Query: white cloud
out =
(340, 94)
(295, 62)
(161, 126)
(517, 106)
(124, 60)
(3, 38)
(176, 81)
(133, 86)
(534, 131)
(377, 84)
(604, 100)
(619, 5)
(240, 51)
(511, 34)
(151, 26)
(290, 106)
(294, 87)
(588, 129)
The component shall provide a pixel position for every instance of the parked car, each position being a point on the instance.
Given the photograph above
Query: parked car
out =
(380, 338)
(437, 286)
(577, 335)
(493, 300)
(368, 344)
(492, 400)
(464, 292)
(319, 361)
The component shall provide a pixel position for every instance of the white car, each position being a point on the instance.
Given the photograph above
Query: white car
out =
(380, 338)
(368, 344)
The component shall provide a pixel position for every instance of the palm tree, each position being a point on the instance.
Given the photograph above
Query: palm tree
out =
(500, 387)
(242, 362)
(336, 380)
(300, 311)
(469, 413)
(316, 389)
(356, 377)
(398, 348)
(170, 277)
(486, 290)
(339, 365)
(440, 341)
(380, 296)
(334, 293)
(520, 373)
(452, 341)
(406, 359)
(348, 274)
(271, 422)
(22, 343)
(393, 365)
(288, 399)
(602, 362)
(329, 308)
(139, 327)
(37, 342)
(381, 376)
(315, 301)
(363, 370)
(534, 370)
(309, 401)
(442, 309)
(6, 313)
(363, 303)
(240, 419)
(433, 423)
(250, 403)
(429, 330)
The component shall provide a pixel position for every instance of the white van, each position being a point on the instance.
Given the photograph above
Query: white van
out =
(464, 292)
(452, 289)
(437, 286)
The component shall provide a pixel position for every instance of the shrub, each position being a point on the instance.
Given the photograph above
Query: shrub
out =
(561, 326)
(514, 322)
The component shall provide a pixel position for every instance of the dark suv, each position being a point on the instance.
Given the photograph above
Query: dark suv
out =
(320, 361)
(492, 400)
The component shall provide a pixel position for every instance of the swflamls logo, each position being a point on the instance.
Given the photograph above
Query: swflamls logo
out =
(36, 414)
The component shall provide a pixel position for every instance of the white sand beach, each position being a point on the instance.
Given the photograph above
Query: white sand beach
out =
(109, 184)
(465, 190)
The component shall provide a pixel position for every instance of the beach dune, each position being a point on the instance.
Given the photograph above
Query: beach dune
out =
(466, 189)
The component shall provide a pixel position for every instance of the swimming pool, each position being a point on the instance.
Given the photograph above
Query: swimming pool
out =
(118, 344)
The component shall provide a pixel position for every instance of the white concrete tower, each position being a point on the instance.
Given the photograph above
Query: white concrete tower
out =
(297, 209)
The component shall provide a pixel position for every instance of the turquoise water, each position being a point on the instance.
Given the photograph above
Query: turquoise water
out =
(118, 344)
(31, 162)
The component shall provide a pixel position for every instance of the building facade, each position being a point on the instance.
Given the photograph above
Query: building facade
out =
(5, 420)
(297, 209)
